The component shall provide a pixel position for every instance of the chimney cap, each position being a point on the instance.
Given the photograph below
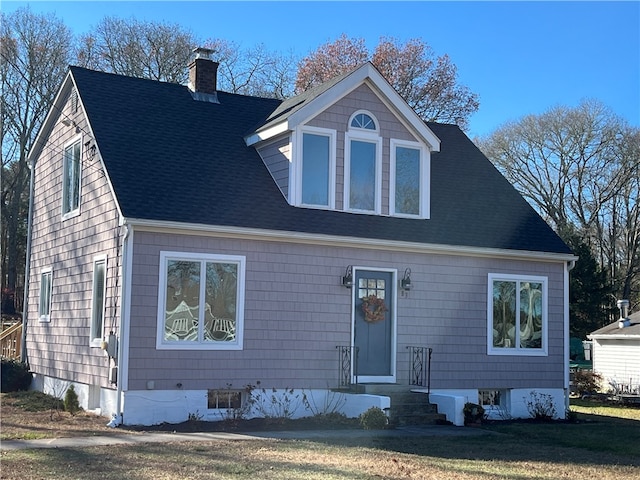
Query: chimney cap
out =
(202, 52)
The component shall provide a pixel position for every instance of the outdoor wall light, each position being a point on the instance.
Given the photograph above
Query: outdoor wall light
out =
(347, 280)
(406, 280)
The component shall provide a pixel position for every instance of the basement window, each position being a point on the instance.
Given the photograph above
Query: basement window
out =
(224, 399)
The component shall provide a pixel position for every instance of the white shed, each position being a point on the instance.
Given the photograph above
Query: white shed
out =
(616, 354)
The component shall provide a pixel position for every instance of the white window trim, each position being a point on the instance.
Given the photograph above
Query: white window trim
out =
(517, 351)
(295, 173)
(359, 129)
(240, 260)
(75, 212)
(95, 338)
(369, 137)
(425, 178)
(46, 317)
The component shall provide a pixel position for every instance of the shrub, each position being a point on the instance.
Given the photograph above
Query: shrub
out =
(586, 382)
(374, 419)
(473, 413)
(15, 376)
(541, 406)
(71, 403)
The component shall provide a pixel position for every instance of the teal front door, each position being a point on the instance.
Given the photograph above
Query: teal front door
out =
(374, 325)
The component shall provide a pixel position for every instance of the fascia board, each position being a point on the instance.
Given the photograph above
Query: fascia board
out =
(47, 126)
(341, 241)
(98, 153)
(613, 336)
(267, 134)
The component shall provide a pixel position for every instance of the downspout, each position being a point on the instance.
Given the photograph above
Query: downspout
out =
(568, 267)
(24, 358)
(123, 344)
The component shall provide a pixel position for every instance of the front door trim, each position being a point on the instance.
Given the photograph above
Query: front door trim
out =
(393, 318)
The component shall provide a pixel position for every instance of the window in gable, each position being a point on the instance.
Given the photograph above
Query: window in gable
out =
(315, 172)
(315, 169)
(44, 303)
(517, 315)
(71, 179)
(363, 120)
(201, 301)
(98, 300)
(409, 180)
(363, 165)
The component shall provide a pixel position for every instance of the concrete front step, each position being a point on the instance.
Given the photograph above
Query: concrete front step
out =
(417, 419)
(407, 407)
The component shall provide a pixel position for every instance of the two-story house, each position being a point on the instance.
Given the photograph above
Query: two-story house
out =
(185, 241)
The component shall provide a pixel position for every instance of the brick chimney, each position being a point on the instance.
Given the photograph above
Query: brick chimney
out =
(203, 72)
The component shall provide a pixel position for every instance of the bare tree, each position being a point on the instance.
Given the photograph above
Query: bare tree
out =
(428, 84)
(254, 71)
(34, 54)
(159, 51)
(579, 167)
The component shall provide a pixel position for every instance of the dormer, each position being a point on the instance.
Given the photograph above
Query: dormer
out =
(351, 144)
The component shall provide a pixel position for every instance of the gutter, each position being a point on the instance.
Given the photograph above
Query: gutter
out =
(174, 227)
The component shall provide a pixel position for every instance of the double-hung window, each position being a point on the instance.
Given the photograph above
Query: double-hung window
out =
(44, 303)
(316, 169)
(363, 165)
(201, 301)
(517, 315)
(71, 179)
(409, 176)
(98, 300)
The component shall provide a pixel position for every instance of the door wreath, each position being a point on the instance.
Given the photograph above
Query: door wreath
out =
(373, 309)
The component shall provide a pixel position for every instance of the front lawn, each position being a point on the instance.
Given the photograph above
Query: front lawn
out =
(597, 446)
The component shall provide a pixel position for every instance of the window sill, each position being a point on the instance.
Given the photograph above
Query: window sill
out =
(518, 353)
(71, 214)
(199, 346)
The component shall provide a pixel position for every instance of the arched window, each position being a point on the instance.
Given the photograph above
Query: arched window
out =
(364, 121)
(363, 164)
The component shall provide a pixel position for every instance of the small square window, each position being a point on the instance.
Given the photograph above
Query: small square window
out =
(490, 398)
(224, 399)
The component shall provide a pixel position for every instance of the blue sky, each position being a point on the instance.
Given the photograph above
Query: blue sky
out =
(520, 57)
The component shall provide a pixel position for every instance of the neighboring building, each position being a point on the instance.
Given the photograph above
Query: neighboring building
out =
(187, 242)
(616, 352)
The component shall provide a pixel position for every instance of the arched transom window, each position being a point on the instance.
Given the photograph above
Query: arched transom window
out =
(363, 164)
(363, 120)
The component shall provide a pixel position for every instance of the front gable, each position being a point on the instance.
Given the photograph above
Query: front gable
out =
(322, 156)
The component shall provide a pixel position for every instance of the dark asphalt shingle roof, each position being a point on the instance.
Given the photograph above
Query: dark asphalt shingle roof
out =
(171, 158)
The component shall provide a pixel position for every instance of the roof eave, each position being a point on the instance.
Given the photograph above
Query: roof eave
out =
(267, 134)
(365, 73)
(50, 119)
(338, 240)
(613, 336)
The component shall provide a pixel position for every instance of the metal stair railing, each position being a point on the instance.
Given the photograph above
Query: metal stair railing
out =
(420, 366)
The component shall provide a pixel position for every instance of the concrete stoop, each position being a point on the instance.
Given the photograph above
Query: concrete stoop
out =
(407, 407)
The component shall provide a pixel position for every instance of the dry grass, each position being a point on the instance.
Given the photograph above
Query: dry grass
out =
(32, 415)
(522, 451)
